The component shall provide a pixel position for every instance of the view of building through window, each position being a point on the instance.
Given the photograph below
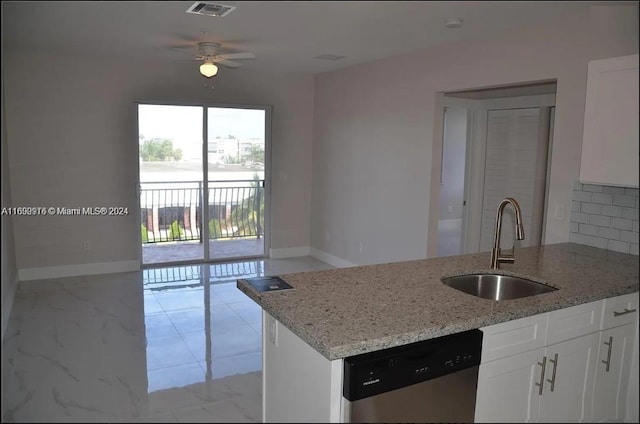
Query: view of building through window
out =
(172, 180)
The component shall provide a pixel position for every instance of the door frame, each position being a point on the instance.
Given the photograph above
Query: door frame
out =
(474, 162)
(205, 175)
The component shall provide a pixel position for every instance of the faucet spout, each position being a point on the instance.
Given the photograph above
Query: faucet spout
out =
(496, 254)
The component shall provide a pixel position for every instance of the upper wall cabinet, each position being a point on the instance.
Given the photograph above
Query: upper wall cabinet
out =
(610, 140)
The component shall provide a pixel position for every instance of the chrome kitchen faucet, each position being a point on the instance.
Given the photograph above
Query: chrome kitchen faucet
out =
(496, 255)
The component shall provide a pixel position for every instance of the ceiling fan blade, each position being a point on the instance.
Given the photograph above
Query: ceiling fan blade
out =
(237, 56)
(227, 63)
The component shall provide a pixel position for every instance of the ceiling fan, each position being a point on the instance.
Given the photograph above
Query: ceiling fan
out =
(208, 53)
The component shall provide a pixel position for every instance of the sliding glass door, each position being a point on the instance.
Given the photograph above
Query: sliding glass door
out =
(179, 174)
(236, 181)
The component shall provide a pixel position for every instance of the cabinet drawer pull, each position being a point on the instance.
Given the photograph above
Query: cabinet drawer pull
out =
(626, 311)
(608, 361)
(543, 364)
(553, 375)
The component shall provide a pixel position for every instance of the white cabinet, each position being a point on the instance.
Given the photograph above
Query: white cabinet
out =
(508, 389)
(612, 374)
(568, 380)
(569, 365)
(298, 383)
(610, 137)
(613, 365)
(542, 385)
(549, 383)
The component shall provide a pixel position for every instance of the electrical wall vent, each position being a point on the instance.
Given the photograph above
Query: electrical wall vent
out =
(329, 57)
(208, 8)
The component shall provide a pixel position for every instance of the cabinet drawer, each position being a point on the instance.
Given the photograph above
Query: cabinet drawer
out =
(513, 337)
(619, 310)
(576, 321)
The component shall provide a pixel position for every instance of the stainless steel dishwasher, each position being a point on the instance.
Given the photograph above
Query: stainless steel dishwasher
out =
(429, 381)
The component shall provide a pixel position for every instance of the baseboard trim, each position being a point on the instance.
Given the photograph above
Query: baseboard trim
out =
(330, 259)
(7, 304)
(29, 274)
(289, 252)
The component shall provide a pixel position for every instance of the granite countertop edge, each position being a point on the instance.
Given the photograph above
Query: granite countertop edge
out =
(608, 274)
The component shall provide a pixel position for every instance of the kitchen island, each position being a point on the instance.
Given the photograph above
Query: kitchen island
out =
(348, 311)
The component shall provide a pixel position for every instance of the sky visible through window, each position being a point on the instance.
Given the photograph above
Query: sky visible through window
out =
(183, 126)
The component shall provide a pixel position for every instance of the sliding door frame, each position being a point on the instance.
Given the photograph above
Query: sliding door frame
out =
(205, 175)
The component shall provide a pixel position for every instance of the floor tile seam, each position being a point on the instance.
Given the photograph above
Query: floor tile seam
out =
(184, 342)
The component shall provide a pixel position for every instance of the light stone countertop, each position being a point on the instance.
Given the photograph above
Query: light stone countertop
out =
(347, 311)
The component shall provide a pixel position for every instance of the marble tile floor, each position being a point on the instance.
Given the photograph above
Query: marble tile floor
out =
(172, 344)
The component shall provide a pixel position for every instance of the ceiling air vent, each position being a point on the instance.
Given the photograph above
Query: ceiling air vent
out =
(208, 8)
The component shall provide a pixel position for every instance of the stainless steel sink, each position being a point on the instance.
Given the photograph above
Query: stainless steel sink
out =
(496, 287)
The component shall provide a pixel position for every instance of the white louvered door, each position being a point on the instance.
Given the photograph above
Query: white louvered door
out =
(516, 160)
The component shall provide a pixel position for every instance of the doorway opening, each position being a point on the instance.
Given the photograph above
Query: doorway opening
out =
(202, 182)
(496, 143)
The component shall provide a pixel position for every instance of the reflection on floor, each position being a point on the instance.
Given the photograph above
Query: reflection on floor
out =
(175, 344)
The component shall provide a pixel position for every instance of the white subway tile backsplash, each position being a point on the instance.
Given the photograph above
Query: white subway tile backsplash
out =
(592, 188)
(588, 240)
(624, 200)
(605, 217)
(580, 217)
(619, 246)
(610, 210)
(629, 237)
(609, 233)
(613, 190)
(600, 220)
(621, 223)
(593, 208)
(574, 227)
(588, 230)
(605, 198)
(630, 213)
(582, 196)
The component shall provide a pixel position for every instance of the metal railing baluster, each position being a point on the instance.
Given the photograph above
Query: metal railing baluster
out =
(235, 205)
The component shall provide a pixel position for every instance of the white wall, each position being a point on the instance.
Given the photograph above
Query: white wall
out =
(71, 127)
(373, 129)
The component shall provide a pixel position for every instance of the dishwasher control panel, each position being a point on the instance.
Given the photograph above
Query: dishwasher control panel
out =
(378, 372)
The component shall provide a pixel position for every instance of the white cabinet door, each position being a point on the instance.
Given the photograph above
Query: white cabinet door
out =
(539, 368)
(569, 380)
(612, 374)
(508, 389)
(610, 136)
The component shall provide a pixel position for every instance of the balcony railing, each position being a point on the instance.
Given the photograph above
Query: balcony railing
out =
(172, 211)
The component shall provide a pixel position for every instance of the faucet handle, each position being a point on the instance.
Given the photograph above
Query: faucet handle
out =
(507, 257)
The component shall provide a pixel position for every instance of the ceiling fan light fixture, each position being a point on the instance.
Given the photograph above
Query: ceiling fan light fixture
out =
(208, 69)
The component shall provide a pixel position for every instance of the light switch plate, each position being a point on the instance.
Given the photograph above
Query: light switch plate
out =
(559, 211)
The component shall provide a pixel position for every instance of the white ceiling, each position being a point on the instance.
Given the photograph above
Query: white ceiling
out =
(285, 36)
